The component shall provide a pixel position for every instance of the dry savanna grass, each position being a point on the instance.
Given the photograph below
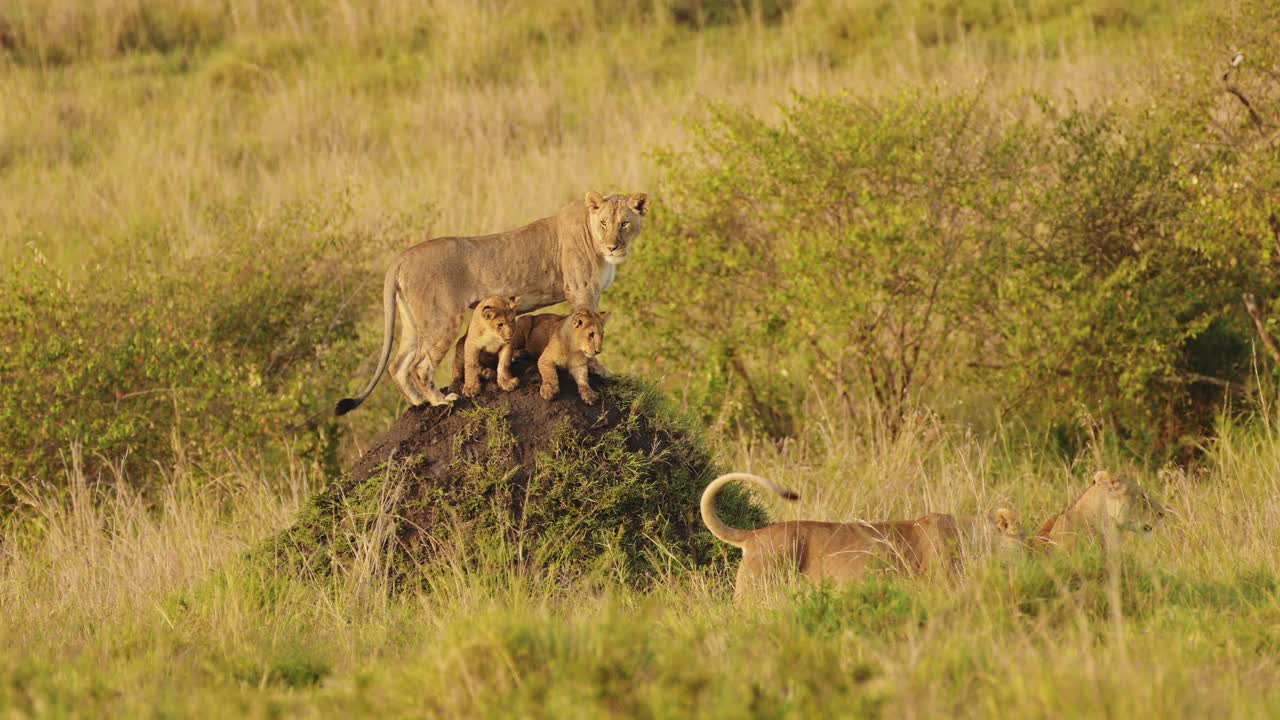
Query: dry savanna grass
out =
(131, 130)
(115, 606)
(497, 117)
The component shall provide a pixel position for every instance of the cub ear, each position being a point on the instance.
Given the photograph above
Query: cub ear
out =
(595, 200)
(639, 202)
(488, 312)
(578, 320)
(604, 317)
(1006, 520)
(515, 302)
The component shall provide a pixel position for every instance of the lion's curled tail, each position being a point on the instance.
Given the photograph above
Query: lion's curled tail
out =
(732, 535)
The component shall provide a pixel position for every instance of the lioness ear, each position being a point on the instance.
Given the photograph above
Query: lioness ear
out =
(638, 202)
(1107, 480)
(595, 200)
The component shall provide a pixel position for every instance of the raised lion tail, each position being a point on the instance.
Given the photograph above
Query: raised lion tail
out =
(733, 535)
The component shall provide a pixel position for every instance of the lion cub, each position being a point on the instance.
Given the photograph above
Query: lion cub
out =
(563, 341)
(1000, 533)
(492, 326)
(839, 552)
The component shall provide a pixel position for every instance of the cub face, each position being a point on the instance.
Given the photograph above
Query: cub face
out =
(499, 314)
(614, 222)
(1010, 535)
(587, 330)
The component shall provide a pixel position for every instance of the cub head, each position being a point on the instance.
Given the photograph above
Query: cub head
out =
(614, 222)
(1009, 532)
(586, 328)
(499, 313)
(1127, 504)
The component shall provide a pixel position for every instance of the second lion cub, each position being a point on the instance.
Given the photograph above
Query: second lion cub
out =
(492, 328)
(563, 341)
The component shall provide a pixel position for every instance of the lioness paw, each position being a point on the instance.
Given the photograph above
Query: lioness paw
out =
(449, 399)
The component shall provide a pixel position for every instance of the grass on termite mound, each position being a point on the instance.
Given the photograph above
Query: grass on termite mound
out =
(513, 478)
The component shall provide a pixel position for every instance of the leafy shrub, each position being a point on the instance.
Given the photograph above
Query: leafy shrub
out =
(884, 254)
(225, 348)
(853, 242)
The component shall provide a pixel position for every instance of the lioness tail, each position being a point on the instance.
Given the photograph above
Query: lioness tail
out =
(732, 535)
(346, 405)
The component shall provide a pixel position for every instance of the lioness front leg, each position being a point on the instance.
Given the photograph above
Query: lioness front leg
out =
(506, 380)
(579, 373)
(550, 380)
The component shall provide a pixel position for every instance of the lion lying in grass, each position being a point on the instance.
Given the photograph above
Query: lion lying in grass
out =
(1108, 506)
(826, 551)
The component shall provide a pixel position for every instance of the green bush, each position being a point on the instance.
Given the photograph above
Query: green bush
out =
(241, 346)
(883, 255)
(854, 242)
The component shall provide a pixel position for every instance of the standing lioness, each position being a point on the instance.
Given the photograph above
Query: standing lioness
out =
(571, 256)
(826, 551)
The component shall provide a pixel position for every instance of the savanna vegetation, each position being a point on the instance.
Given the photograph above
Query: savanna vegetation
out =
(906, 256)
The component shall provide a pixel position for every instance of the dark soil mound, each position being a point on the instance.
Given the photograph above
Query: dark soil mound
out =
(517, 479)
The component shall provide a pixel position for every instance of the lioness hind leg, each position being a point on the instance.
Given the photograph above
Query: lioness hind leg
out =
(402, 373)
(431, 351)
(402, 364)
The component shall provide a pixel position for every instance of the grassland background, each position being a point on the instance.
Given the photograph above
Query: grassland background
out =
(141, 141)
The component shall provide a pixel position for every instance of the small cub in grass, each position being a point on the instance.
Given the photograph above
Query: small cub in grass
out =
(564, 341)
(1000, 533)
(488, 340)
(826, 551)
(1010, 537)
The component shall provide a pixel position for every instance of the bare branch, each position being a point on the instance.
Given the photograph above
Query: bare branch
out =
(1259, 317)
(1253, 114)
(1227, 385)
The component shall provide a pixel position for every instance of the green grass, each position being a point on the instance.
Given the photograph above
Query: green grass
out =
(111, 607)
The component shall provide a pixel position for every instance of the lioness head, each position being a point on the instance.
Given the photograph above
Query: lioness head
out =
(1127, 504)
(586, 328)
(500, 314)
(614, 222)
